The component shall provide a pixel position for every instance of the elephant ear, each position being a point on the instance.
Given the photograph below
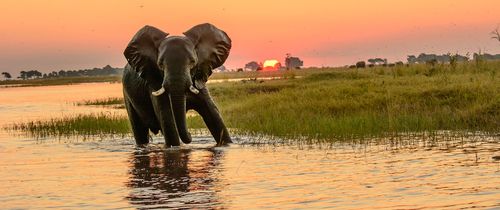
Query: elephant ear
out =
(212, 48)
(142, 50)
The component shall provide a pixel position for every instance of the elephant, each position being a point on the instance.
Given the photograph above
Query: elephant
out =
(165, 76)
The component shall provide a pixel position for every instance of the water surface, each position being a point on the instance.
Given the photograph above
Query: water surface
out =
(409, 173)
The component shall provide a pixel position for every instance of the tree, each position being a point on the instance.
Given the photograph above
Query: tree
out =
(104, 71)
(6, 75)
(412, 59)
(30, 74)
(23, 75)
(374, 61)
(496, 34)
(360, 64)
(293, 62)
(253, 66)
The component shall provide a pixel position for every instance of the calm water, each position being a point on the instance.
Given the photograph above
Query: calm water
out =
(113, 174)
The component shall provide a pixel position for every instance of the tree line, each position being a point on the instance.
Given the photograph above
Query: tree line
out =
(35, 74)
(424, 58)
(290, 63)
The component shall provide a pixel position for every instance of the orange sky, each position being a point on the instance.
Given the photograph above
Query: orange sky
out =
(55, 34)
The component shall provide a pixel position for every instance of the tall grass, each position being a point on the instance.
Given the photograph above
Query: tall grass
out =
(341, 103)
(86, 125)
(99, 125)
(365, 102)
(109, 102)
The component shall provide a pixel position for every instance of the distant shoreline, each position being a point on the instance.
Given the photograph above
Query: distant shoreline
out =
(58, 81)
(331, 103)
(216, 76)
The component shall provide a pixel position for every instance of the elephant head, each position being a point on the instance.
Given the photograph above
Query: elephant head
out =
(177, 65)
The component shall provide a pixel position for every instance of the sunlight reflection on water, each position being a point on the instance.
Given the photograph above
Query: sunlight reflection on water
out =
(29, 103)
(113, 173)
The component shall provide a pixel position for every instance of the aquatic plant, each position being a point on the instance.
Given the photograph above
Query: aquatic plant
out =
(86, 125)
(102, 124)
(103, 102)
(336, 104)
(352, 103)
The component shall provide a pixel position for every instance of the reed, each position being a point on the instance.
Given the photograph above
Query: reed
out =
(112, 101)
(86, 125)
(332, 104)
(345, 103)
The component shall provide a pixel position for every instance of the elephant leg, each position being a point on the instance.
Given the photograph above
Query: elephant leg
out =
(212, 118)
(140, 131)
(163, 111)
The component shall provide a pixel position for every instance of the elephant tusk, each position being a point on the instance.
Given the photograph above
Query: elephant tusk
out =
(159, 92)
(193, 89)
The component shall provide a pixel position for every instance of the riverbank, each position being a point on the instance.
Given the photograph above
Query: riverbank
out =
(58, 81)
(367, 102)
(334, 104)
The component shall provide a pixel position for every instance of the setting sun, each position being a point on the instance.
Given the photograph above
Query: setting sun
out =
(127, 104)
(271, 65)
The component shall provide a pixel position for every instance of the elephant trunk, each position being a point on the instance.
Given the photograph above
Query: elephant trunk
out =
(176, 85)
(178, 104)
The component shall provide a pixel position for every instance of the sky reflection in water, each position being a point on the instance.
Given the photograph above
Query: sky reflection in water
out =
(112, 173)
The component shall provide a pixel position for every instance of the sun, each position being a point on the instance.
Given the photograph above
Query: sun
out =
(271, 65)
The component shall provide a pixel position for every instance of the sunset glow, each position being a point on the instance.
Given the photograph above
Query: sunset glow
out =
(58, 34)
(270, 63)
(262, 104)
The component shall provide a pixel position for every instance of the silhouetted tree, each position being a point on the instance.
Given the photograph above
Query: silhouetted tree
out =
(360, 64)
(293, 62)
(486, 56)
(104, 71)
(375, 61)
(221, 68)
(496, 34)
(35, 74)
(252, 65)
(411, 59)
(6, 75)
(22, 75)
(430, 58)
(30, 74)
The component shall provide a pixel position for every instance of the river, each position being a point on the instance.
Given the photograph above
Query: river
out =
(413, 172)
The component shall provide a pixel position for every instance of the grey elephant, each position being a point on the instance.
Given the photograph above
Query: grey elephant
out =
(165, 76)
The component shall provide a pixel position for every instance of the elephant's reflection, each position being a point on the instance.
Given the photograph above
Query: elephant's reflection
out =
(174, 178)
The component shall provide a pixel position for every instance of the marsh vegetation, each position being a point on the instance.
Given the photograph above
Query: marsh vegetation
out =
(111, 102)
(336, 103)
(443, 153)
(83, 125)
(58, 81)
(367, 102)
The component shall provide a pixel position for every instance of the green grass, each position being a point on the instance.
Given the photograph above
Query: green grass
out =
(266, 74)
(365, 102)
(108, 102)
(86, 125)
(344, 103)
(59, 81)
